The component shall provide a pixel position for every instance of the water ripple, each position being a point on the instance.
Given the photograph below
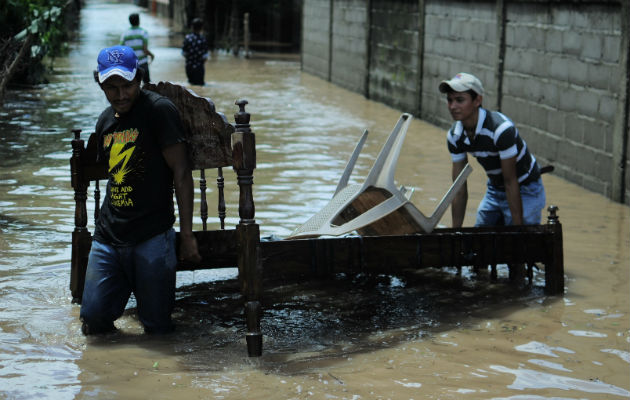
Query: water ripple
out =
(531, 379)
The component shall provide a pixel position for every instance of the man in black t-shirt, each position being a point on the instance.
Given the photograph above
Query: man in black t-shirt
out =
(140, 139)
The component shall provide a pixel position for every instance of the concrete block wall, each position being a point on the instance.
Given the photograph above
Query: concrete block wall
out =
(349, 44)
(561, 84)
(458, 37)
(316, 35)
(394, 68)
(559, 69)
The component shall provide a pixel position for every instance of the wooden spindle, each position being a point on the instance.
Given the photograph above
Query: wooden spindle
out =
(221, 206)
(203, 209)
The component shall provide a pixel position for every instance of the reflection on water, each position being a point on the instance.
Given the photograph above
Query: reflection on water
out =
(427, 334)
(528, 379)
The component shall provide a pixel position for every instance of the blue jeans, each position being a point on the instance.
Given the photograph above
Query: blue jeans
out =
(494, 209)
(146, 269)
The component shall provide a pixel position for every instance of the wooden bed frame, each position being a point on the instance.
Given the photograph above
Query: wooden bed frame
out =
(215, 143)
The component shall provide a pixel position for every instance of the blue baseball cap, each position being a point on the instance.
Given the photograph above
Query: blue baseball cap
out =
(117, 60)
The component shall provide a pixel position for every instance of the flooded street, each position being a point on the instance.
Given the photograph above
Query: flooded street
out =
(427, 335)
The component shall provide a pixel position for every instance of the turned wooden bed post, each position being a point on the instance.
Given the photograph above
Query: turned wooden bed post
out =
(554, 267)
(81, 238)
(247, 230)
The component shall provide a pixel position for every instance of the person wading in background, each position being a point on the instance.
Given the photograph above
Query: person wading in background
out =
(138, 39)
(195, 50)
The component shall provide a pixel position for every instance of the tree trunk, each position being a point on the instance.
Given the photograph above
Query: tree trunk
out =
(11, 63)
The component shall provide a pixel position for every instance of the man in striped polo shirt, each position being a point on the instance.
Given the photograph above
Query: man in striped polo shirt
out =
(138, 39)
(515, 194)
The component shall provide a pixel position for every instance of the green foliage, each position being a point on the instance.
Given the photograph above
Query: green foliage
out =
(46, 20)
(47, 24)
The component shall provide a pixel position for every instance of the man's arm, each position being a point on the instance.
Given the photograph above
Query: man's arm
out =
(177, 159)
(145, 46)
(147, 52)
(512, 190)
(458, 206)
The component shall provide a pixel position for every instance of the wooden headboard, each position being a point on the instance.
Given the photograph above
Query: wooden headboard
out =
(208, 133)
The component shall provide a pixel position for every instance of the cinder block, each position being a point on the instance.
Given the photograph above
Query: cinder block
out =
(578, 73)
(556, 123)
(596, 185)
(550, 93)
(607, 107)
(610, 49)
(574, 128)
(601, 76)
(608, 147)
(603, 166)
(516, 109)
(553, 40)
(594, 134)
(478, 32)
(486, 52)
(516, 35)
(490, 35)
(571, 42)
(513, 85)
(533, 90)
(535, 37)
(580, 19)
(545, 148)
(539, 116)
(467, 29)
(559, 68)
(561, 16)
(528, 61)
(591, 46)
(587, 103)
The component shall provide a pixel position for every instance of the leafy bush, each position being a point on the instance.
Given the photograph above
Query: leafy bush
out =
(48, 22)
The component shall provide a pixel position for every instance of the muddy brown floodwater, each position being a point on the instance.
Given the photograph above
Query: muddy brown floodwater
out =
(426, 335)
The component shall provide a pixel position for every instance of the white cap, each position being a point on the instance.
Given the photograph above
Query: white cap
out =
(462, 82)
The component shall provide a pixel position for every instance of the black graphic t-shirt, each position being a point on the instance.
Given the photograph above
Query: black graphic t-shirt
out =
(138, 202)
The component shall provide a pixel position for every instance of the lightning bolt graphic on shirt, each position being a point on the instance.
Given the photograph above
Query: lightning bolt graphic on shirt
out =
(116, 155)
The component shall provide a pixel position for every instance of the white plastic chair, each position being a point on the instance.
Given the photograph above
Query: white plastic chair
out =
(381, 178)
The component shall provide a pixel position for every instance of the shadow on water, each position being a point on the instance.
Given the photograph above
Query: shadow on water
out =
(310, 323)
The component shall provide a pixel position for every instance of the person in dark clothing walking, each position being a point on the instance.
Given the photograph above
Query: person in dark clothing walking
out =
(195, 50)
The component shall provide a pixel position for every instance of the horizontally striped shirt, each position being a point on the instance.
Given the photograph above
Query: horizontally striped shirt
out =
(136, 38)
(496, 138)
